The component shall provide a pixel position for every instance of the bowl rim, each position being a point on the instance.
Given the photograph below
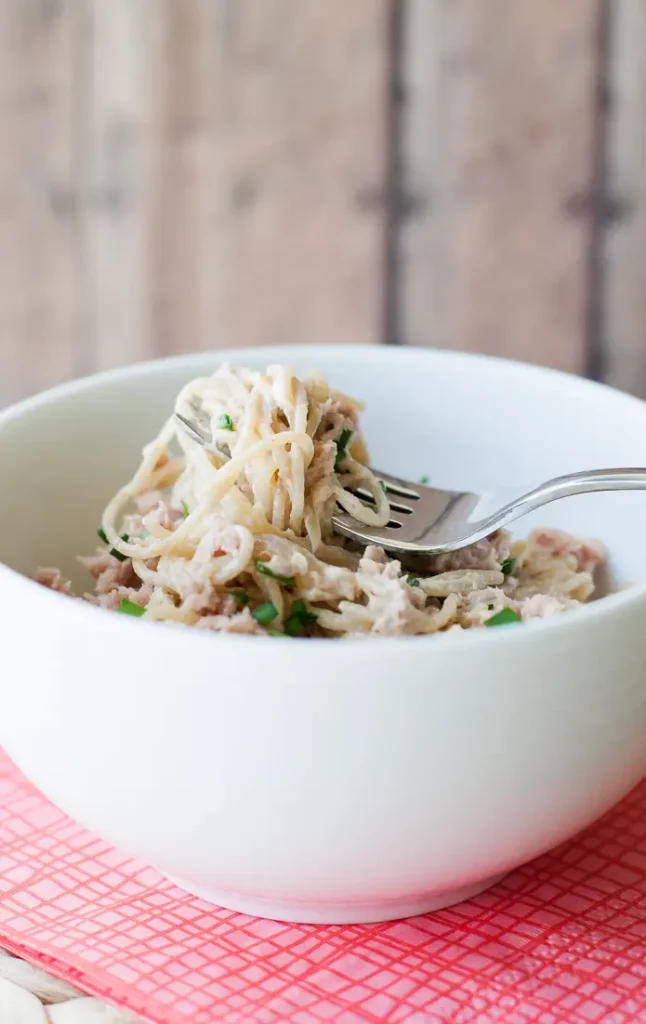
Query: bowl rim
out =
(610, 607)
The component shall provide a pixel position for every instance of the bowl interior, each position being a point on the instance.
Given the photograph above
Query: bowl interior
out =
(465, 421)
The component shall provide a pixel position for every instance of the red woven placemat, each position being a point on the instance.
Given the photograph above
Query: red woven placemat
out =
(561, 941)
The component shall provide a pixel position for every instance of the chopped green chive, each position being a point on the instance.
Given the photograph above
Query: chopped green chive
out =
(293, 626)
(224, 422)
(299, 616)
(424, 479)
(115, 554)
(130, 608)
(274, 632)
(262, 567)
(413, 581)
(241, 597)
(185, 509)
(341, 446)
(265, 613)
(503, 618)
(507, 567)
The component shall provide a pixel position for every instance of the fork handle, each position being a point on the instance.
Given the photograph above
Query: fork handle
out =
(586, 482)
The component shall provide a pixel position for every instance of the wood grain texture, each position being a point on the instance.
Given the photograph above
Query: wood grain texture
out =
(269, 204)
(498, 161)
(190, 174)
(187, 175)
(118, 101)
(624, 305)
(39, 255)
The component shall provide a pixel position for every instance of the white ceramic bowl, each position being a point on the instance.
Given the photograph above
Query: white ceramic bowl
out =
(317, 780)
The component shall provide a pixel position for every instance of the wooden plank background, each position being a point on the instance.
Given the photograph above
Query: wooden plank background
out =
(188, 175)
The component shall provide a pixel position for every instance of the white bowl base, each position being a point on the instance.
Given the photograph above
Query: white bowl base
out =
(302, 912)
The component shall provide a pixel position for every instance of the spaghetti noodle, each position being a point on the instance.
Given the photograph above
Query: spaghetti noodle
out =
(237, 536)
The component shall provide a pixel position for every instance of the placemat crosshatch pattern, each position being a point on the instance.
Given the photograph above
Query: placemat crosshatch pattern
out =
(561, 941)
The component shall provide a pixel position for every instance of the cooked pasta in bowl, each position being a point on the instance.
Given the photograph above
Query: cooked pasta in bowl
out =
(183, 696)
(239, 537)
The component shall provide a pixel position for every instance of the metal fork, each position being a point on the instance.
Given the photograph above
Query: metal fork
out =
(426, 520)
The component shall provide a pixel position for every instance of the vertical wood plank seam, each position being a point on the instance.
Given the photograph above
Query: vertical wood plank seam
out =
(595, 341)
(391, 323)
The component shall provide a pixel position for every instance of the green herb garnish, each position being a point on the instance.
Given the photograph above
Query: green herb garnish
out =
(262, 567)
(503, 618)
(507, 567)
(185, 509)
(424, 479)
(241, 597)
(130, 608)
(299, 616)
(341, 446)
(265, 613)
(293, 626)
(115, 554)
(224, 422)
(274, 632)
(413, 581)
